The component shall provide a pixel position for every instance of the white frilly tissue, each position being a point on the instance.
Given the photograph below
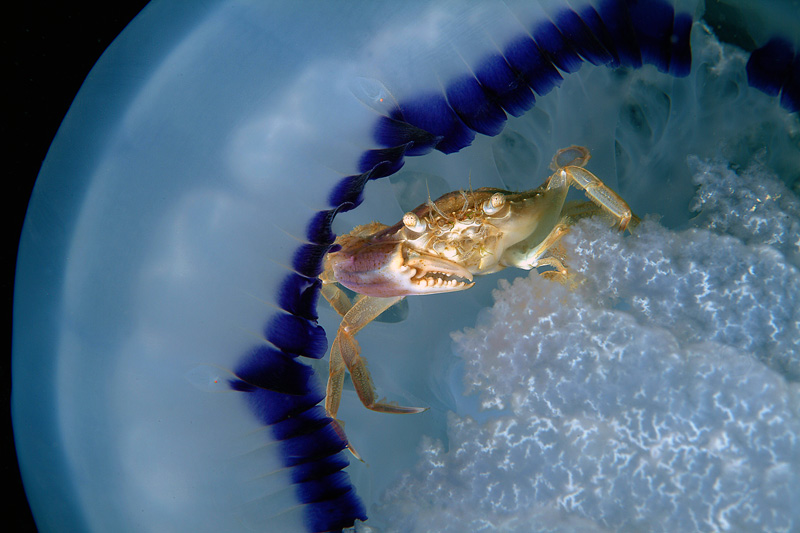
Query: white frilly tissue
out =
(659, 394)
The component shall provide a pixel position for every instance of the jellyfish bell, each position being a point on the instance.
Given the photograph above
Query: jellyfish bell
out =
(165, 317)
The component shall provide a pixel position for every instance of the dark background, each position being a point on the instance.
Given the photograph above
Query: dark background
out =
(48, 49)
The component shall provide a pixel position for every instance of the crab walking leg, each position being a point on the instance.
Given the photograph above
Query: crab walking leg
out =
(336, 297)
(599, 193)
(333, 391)
(572, 156)
(534, 259)
(345, 349)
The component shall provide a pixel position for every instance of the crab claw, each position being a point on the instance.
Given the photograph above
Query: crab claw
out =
(432, 275)
(393, 270)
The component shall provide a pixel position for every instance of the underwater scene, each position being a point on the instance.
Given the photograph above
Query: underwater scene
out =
(172, 338)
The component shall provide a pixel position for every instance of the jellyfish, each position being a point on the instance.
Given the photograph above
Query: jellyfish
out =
(168, 338)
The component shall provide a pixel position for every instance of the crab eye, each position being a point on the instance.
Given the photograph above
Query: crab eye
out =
(494, 204)
(413, 222)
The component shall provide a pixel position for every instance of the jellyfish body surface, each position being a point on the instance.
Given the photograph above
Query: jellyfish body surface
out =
(167, 340)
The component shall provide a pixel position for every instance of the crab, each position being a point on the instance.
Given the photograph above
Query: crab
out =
(441, 246)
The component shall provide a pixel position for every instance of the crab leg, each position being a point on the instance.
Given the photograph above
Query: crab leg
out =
(534, 259)
(568, 164)
(572, 156)
(341, 304)
(345, 353)
(336, 297)
(599, 193)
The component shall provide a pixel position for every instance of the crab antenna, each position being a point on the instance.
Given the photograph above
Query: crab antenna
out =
(471, 192)
(466, 203)
(432, 204)
(428, 188)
